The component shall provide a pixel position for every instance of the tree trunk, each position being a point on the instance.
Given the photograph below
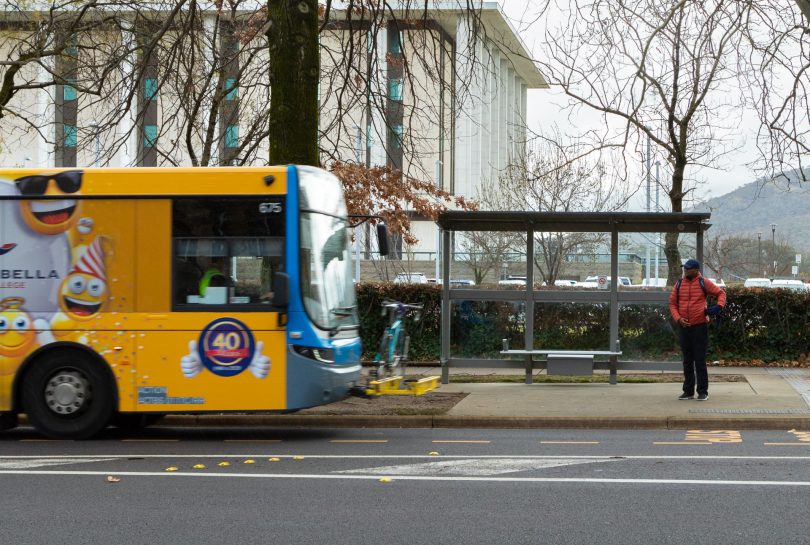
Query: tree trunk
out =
(671, 239)
(294, 72)
(804, 5)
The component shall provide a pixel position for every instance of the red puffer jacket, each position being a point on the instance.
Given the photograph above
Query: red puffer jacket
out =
(689, 302)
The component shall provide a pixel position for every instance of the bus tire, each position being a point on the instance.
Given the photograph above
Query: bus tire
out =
(67, 395)
(135, 421)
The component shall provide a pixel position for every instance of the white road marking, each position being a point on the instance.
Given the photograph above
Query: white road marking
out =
(471, 467)
(656, 482)
(26, 463)
(406, 456)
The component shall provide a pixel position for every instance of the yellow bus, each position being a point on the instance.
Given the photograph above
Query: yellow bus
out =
(127, 294)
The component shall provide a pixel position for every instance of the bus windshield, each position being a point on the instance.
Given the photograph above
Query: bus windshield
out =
(327, 289)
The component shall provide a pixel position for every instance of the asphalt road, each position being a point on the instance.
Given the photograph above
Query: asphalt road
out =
(432, 486)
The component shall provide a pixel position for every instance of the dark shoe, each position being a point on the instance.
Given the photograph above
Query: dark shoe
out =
(684, 397)
(703, 397)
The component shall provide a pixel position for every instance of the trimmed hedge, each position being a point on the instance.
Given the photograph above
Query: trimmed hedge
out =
(757, 323)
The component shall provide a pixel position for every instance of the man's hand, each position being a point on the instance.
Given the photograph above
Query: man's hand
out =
(683, 322)
(191, 363)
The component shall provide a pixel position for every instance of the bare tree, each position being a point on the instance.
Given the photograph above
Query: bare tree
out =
(729, 254)
(655, 72)
(558, 179)
(774, 72)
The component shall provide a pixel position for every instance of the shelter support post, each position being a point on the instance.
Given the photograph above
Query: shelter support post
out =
(614, 299)
(528, 333)
(445, 318)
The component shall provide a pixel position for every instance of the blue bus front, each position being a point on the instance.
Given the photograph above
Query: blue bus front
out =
(323, 330)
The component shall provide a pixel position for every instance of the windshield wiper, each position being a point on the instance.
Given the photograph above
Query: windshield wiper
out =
(343, 312)
(335, 330)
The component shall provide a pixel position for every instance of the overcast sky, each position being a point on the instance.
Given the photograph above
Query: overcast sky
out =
(545, 107)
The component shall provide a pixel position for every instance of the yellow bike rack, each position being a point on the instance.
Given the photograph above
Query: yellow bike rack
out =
(393, 386)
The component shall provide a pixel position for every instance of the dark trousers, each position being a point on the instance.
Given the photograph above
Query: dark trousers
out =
(694, 341)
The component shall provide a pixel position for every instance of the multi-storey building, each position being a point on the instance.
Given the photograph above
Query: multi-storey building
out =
(440, 94)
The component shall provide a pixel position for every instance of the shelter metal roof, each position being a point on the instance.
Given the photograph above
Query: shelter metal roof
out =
(575, 222)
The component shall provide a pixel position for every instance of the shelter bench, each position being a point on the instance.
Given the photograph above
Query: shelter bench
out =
(565, 362)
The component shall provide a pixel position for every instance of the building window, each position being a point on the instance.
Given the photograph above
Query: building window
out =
(395, 137)
(395, 42)
(70, 135)
(231, 89)
(150, 134)
(150, 89)
(232, 136)
(69, 92)
(395, 89)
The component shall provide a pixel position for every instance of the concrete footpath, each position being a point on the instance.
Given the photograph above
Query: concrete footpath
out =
(769, 398)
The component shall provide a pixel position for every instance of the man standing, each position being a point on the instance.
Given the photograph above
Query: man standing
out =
(687, 304)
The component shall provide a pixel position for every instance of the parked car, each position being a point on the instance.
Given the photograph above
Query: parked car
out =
(717, 282)
(565, 283)
(452, 282)
(757, 283)
(513, 281)
(624, 280)
(654, 282)
(410, 278)
(789, 284)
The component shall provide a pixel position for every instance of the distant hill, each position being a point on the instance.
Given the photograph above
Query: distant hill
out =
(755, 206)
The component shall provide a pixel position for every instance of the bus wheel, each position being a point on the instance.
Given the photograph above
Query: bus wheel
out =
(67, 396)
(135, 421)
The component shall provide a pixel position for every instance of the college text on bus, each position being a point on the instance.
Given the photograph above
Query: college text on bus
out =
(126, 293)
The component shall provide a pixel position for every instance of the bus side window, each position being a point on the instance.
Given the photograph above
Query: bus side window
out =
(226, 250)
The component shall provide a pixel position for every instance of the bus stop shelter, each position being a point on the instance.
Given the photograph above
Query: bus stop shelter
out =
(529, 223)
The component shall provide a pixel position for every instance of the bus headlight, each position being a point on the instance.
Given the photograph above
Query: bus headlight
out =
(323, 355)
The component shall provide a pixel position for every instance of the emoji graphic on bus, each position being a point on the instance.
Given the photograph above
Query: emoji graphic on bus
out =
(18, 338)
(226, 348)
(57, 213)
(83, 294)
(32, 265)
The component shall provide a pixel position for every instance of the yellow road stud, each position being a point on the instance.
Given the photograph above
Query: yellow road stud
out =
(433, 453)
(386, 479)
(249, 462)
(199, 466)
(298, 457)
(171, 468)
(224, 464)
(274, 459)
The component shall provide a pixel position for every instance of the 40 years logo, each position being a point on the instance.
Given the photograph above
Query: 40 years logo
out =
(226, 347)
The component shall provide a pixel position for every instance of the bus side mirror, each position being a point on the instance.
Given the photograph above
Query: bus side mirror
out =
(281, 289)
(382, 239)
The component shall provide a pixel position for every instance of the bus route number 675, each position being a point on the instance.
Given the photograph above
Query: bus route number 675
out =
(270, 208)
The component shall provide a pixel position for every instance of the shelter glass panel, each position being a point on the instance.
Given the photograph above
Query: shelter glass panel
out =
(571, 326)
(647, 333)
(477, 328)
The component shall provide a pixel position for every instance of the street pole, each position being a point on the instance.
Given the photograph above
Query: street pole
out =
(439, 184)
(773, 248)
(759, 253)
(658, 235)
(357, 153)
(647, 262)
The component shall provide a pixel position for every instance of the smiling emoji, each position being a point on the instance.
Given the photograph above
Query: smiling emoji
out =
(17, 334)
(83, 292)
(58, 210)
